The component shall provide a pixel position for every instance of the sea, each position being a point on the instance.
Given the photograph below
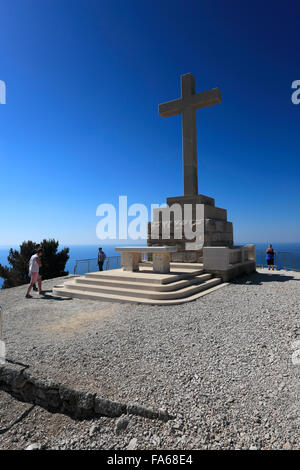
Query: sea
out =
(288, 257)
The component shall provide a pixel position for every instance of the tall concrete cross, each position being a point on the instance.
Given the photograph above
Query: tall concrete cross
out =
(187, 106)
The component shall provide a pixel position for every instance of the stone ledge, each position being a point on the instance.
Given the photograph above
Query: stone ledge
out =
(145, 249)
(198, 212)
(234, 271)
(199, 199)
(58, 398)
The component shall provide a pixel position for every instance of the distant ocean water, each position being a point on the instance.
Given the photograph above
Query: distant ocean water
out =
(79, 252)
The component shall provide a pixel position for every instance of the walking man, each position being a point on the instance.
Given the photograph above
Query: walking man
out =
(34, 253)
(35, 264)
(101, 259)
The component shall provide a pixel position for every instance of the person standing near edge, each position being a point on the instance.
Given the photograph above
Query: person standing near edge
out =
(35, 264)
(34, 253)
(101, 259)
(270, 257)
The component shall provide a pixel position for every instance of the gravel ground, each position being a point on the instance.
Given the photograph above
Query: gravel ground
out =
(221, 364)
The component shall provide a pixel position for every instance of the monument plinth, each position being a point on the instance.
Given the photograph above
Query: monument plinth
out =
(209, 221)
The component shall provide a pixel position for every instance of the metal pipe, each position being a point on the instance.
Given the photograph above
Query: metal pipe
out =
(2, 344)
(112, 262)
(0, 323)
(293, 262)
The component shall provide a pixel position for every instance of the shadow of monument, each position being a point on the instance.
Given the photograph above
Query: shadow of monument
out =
(261, 278)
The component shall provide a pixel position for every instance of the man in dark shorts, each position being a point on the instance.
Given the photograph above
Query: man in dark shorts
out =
(101, 259)
(270, 254)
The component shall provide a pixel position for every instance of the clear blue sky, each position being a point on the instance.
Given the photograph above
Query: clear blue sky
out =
(80, 127)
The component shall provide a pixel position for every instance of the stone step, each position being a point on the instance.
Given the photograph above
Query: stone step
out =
(177, 265)
(139, 293)
(145, 274)
(61, 291)
(124, 282)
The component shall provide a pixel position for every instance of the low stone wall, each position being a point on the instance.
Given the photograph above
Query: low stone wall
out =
(233, 272)
(229, 263)
(58, 398)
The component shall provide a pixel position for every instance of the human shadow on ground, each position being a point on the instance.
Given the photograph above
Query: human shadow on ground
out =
(18, 420)
(52, 297)
(261, 278)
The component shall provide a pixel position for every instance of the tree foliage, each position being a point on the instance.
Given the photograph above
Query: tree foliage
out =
(53, 261)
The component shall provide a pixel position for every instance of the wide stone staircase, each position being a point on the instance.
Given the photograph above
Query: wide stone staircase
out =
(186, 282)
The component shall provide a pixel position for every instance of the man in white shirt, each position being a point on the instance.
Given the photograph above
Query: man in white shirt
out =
(35, 264)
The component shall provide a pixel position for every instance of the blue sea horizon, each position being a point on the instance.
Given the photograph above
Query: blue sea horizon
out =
(81, 252)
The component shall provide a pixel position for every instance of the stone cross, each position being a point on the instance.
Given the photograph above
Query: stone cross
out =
(187, 106)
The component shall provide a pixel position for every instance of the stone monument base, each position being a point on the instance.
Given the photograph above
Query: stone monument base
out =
(190, 223)
(228, 263)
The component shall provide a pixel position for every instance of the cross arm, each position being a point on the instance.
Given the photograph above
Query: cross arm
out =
(170, 108)
(198, 101)
(206, 98)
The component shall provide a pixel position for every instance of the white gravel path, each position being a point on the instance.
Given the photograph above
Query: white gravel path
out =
(222, 365)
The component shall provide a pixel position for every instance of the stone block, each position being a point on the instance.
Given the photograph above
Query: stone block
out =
(202, 225)
(228, 263)
(216, 257)
(161, 262)
(251, 252)
(209, 212)
(186, 257)
(130, 261)
(194, 245)
(237, 270)
(215, 225)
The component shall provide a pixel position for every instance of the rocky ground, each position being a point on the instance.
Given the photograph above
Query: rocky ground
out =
(222, 365)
